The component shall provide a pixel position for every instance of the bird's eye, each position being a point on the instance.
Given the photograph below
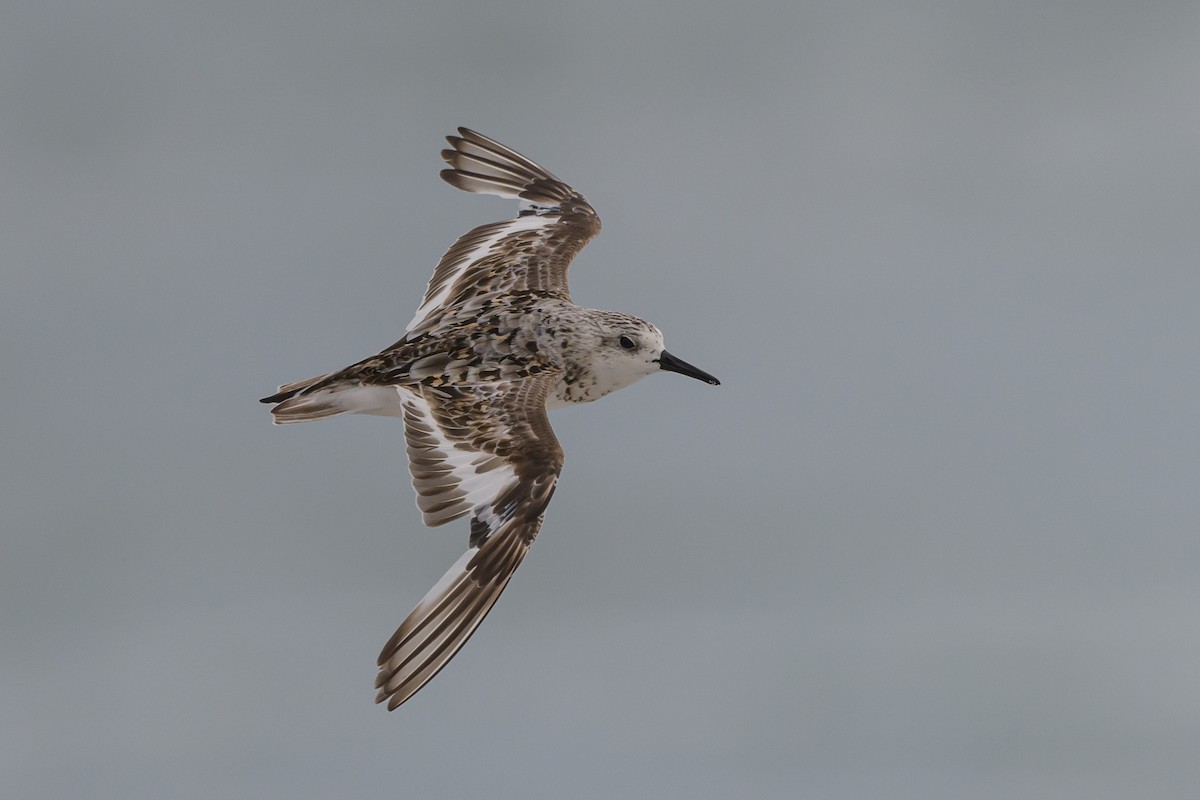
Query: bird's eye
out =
(627, 343)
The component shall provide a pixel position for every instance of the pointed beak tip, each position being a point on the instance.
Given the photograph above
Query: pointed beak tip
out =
(670, 363)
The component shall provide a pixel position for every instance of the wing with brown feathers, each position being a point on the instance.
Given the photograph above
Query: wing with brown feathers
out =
(484, 450)
(529, 253)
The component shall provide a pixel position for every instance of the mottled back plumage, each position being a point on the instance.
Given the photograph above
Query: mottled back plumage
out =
(495, 342)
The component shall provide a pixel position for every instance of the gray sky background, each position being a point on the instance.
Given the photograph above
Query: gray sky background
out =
(934, 537)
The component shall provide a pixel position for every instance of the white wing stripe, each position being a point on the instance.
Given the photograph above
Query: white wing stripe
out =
(470, 257)
(478, 477)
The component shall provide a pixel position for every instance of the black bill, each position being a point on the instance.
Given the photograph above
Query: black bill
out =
(670, 363)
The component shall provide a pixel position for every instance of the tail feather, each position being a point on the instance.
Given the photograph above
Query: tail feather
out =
(289, 390)
(318, 398)
(305, 409)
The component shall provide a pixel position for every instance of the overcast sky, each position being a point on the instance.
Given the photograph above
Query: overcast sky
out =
(935, 536)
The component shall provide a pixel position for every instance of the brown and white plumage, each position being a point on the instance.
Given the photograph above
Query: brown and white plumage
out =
(495, 342)
(528, 253)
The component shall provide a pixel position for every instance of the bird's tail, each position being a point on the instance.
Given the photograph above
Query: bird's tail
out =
(329, 396)
(304, 400)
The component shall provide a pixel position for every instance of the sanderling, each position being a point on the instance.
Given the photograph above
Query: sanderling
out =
(494, 344)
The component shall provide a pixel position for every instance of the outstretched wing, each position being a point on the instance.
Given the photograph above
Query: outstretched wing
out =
(488, 451)
(528, 253)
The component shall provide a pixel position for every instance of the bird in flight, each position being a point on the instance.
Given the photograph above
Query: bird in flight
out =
(495, 342)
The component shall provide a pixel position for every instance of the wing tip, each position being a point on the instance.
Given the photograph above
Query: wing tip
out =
(496, 168)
